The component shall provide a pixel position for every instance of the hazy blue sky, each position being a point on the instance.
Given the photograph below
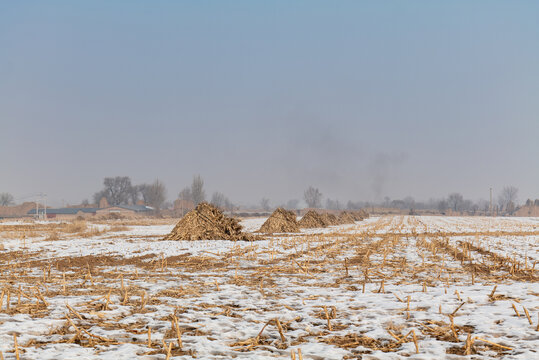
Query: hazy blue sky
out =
(362, 99)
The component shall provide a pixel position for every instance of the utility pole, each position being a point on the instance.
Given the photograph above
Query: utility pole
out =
(490, 206)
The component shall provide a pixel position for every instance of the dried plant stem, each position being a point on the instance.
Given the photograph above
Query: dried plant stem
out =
(178, 332)
(515, 308)
(493, 343)
(468, 345)
(327, 318)
(280, 328)
(527, 315)
(16, 346)
(414, 337)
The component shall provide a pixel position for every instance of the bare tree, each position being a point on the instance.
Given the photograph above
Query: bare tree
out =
(455, 201)
(443, 205)
(117, 190)
(134, 192)
(98, 196)
(467, 205)
(6, 199)
(292, 204)
(197, 190)
(154, 194)
(351, 205)
(508, 198)
(409, 202)
(229, 205)
(264, 204)
(218, 199)
(399, 204)
(313, 197)
(483, 205)
(333, 204)
(185, 194)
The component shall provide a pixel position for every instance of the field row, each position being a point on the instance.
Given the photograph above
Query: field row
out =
(397, 287)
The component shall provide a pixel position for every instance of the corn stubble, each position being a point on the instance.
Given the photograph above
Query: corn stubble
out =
(363, 263)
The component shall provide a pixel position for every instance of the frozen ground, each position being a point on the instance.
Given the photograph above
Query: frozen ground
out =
(457, 285)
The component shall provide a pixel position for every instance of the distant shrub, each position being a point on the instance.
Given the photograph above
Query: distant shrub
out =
(76, 227)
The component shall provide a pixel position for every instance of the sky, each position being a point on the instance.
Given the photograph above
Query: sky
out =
(362, 99)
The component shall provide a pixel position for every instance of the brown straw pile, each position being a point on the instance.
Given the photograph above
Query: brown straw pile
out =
(346, 218)
(280, 221)
(311, 220)
(330, 219)
(207, 222)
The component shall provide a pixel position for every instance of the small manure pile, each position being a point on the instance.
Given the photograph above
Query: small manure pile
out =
(281, 221)
(346, 218)
(206, 222)
(312, 219)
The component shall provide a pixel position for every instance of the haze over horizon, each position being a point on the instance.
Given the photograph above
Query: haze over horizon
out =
(360, 99)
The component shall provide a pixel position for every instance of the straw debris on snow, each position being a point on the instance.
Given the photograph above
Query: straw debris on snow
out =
(280, 221)
(207, 222)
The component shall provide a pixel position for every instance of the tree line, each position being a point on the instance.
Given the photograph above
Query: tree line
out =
(120, 190)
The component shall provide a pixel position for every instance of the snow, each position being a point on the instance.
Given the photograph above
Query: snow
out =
(224, 292)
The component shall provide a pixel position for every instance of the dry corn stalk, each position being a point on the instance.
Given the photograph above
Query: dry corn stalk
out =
(493, 343)
(16, 346)
(178, 332)
(327, 318)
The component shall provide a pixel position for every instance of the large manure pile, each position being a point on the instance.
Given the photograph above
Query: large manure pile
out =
(280, 221)
(312, 219)
(206, 222)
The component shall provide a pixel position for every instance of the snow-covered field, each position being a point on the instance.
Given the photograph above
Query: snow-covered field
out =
(389, 287)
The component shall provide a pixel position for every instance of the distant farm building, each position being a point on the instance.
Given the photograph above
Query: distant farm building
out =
(17, 210)
(103, 203)
(125, 210)
(120, 211)
(64, 213)
(530, 209)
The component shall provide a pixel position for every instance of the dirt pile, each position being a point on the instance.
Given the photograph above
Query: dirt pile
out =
(280, 221)
(206, 222)
(312, 219)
